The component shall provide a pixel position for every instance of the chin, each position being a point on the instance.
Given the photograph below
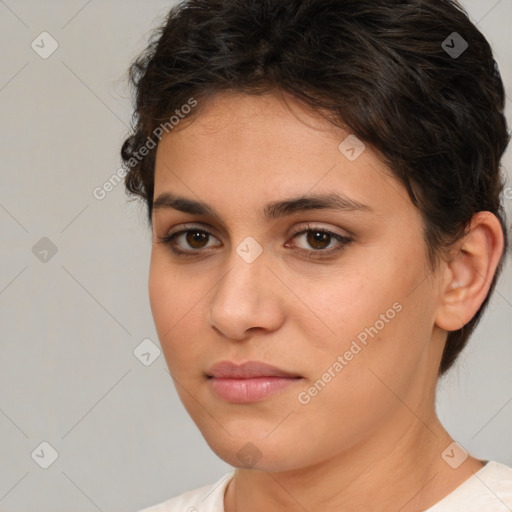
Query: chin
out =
(276, 453)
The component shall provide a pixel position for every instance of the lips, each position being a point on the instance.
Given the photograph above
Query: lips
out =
(248, 382)
(247, 370)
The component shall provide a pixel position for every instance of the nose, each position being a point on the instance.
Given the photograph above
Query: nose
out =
(246, 299)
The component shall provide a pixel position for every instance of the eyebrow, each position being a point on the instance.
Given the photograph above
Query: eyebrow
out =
(272, 210)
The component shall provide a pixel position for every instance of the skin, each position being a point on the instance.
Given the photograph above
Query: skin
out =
(371, 439)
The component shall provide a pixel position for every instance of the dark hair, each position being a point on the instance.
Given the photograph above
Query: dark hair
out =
(392, 72)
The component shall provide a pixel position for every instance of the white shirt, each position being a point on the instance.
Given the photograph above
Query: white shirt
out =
(487, 490)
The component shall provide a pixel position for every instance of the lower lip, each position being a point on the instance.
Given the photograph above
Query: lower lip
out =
(249, 390)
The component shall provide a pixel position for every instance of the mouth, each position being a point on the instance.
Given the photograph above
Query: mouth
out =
(249, 382)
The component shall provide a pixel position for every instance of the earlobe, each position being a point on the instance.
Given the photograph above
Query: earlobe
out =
(469, 273)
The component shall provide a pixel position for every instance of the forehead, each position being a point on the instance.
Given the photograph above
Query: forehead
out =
(264, 148)
(229, 116)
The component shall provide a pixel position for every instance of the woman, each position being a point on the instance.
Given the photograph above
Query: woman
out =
(322, 179)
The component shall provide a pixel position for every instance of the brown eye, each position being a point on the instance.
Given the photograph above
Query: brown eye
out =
(318, 243)
(318, 239)
(197, 239)
(189, 242)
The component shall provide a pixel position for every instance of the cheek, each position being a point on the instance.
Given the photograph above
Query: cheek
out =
(344, 304)
(356, 379)
(373, 316)
(168, 304)
(177, 304)
(171, 294)
(161, 300)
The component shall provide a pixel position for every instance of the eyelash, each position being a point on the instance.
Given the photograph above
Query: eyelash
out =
(344, 241)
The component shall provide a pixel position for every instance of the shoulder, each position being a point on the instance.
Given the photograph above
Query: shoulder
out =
(209, 498)
(488, 490)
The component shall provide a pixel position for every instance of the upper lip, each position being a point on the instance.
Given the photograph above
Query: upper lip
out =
(247, 370)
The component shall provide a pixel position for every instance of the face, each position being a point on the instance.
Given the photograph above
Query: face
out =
(338, 296)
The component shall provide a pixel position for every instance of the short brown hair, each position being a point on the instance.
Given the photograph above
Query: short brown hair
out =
(382, 69)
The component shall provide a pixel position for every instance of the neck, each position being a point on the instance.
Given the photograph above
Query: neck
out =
(398, 469)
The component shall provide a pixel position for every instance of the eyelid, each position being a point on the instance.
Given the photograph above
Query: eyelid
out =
(169, 237)
(190, 226)
(311, 226)
(343, 240)
(210, 230)
(320, 254)
(205, 226)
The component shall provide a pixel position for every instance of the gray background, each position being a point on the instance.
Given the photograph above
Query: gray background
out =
(69, 325)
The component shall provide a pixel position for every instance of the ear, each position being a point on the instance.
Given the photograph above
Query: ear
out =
(469, 272)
